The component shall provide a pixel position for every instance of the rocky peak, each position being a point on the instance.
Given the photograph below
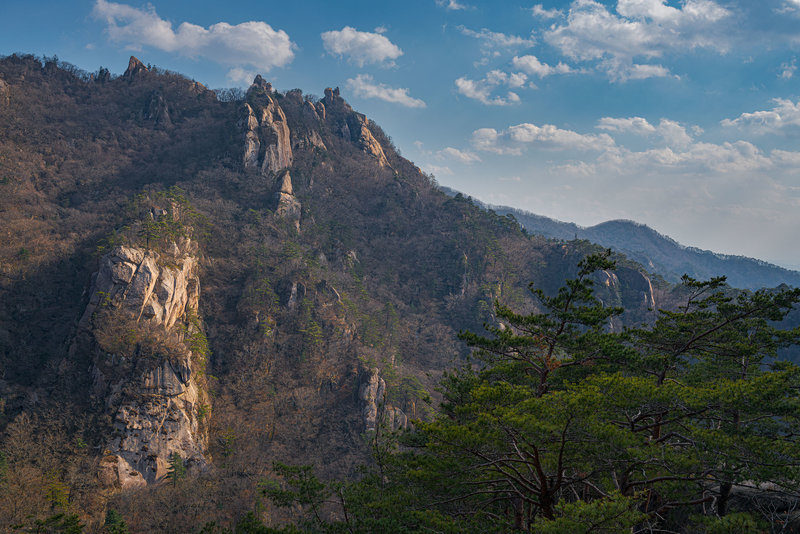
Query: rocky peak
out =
(103, 75)
(135, 68)
(267, 139)
(362, 136)
(261, 84)
(331, 94)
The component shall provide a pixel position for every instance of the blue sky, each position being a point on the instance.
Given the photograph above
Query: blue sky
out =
(684, 115)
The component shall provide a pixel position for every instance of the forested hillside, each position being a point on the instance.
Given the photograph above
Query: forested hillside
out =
(197, 284)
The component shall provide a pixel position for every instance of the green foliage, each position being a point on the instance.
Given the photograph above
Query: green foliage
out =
(61, 523)
(114, 523)
(177, 468)
(565, 427)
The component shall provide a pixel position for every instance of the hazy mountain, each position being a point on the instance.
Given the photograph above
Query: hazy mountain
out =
(658, 253)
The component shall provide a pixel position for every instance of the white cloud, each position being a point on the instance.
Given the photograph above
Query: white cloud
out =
(639, 28)
(533, 66)
(365, 87)
(492, 39)
(636, 125)
(360, 47)
(515, 139)
(539, 11)
(481, 90)
(785, 115)
(673, 134)
(437, 170)
(249, 44)
(788, 69)
(487, 139)
(451, 5)
(241, 76)
(549, 136)
(462, 156)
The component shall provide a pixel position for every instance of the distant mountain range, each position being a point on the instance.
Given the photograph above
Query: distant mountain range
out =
(658, 253)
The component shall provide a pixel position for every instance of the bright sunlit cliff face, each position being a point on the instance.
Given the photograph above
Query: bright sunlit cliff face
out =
(677, 114)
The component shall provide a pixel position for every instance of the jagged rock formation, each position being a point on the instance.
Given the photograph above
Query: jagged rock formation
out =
(371, 394)
(148, 375)
(353, 126)
(157, 110)
(361, 135)
(374, 409)
(135, 68)
(287, 206)
(267, 140)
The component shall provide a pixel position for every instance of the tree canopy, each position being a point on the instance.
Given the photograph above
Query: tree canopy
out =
(561, 425)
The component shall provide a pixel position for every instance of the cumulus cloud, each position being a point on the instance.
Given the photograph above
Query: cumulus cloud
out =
(515, 139)
(492, 39)
(534, 67)
(674, 150)
(788, 69)
(249, 44)
(539, 11)
(785, 115)
(672, 133)
(437, 170)
(481, 90)
(549, 136)
(364, 86)
(360, 47)
(636, 125)
(451, 5)
(639, 29)
(487, 140)
(462, 156)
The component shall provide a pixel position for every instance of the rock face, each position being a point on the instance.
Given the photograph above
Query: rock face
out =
(287, 205)
(157, 110)
(361, 135)
(372, 400)
(135, 68)
(155, 398)
(267, 139)
(353, 126)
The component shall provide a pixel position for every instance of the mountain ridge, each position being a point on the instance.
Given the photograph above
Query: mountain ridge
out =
(657, 252)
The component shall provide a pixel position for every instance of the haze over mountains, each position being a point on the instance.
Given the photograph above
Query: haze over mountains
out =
(658, 253)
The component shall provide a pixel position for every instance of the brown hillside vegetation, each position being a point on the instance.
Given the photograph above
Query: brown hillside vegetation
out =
(307, 281)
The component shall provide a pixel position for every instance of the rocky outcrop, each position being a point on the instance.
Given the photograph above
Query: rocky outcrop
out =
(372, 401)
(135, 69)
(286, 205)
(362, 136)
(252, 142)
(371, 396)
(353, 126)
(267, 139)
(157, 110)
(155, 397)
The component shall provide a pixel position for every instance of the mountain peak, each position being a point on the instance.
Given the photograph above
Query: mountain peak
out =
(135, 67)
